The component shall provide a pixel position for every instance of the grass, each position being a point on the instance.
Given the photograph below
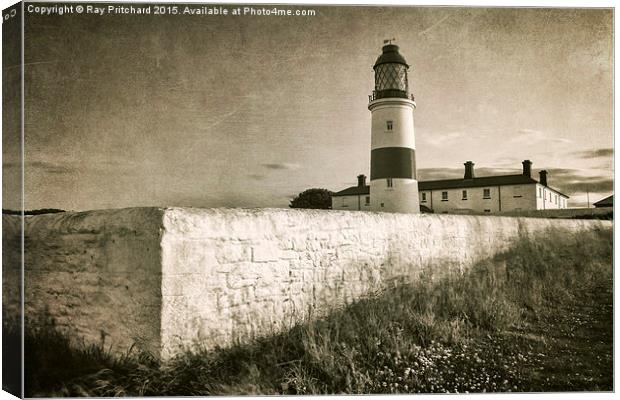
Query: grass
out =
(537, 318)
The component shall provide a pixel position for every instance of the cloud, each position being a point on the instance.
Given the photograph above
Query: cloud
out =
(534, 136)
(443, 138)
(42, 166)
(607, 165)
(589, 185)
(289, 166)
(564, 172)
(572, 181)
(531, 137)
(595, 153)
(531, 132)
(526, 131)
(431, 174)
(434, 25)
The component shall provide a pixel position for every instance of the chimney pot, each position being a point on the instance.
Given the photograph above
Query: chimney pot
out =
(527, 168)
(361, 180)
(543, 177)
(469, 170)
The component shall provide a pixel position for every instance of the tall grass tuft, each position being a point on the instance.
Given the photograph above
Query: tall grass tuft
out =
(464, 332)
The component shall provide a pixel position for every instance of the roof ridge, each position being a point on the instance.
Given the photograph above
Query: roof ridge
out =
(477, 177)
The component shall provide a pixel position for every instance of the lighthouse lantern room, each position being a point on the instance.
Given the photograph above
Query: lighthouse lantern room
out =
(393, 180)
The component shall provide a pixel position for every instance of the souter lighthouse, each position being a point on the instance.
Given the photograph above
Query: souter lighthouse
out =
(393, 181)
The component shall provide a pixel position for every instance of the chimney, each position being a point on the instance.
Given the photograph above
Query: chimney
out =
(469, 170)
(361, 180)
(527, 168)
(543, 177)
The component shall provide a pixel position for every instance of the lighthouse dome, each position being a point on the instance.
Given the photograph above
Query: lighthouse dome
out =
(390, 55)
(390, 74)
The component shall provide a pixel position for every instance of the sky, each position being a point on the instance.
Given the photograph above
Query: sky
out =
(248, 111)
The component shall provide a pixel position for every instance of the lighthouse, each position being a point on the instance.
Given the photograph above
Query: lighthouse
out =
(393, 181)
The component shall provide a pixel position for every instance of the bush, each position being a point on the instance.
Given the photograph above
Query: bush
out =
(313, 198)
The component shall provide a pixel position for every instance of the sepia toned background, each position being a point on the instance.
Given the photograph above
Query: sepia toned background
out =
(248, 111)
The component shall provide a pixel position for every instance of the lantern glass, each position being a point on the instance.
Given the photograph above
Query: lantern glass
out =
(391, 76)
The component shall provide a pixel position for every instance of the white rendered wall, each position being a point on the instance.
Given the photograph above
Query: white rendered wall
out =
(94, 275)
(474, 202)
(518, 197)
(402, 197)
(351, 203)
(546, 203)
(504, 198)
(176, 279)
(400, 112)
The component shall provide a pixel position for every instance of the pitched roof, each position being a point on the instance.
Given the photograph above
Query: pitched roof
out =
(353, 191)
(501, 180)
(476, 182)
(606, 202)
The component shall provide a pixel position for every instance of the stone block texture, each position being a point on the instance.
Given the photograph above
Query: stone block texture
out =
(94, 275)
(175, 279)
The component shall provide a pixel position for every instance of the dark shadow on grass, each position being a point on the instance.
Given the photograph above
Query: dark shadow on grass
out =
(464, 332)
(11, 358)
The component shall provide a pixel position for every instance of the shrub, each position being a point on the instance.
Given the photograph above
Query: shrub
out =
(313, 198)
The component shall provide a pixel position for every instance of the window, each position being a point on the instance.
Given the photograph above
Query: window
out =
(391, 76)
(556, 199)
(464, 194)
(550, 200)
(344, 202)
(486, 193)
(390, 183)
(367, 200)
(382, 204)
(390, 125)
(540, 192)
(444, 196)
(487, 211)
(423, 196)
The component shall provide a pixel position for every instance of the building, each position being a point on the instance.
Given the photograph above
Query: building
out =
(393, 178)
(471, 194)
(393, 181)
(491, 194)
(606, 202)
(355, 198)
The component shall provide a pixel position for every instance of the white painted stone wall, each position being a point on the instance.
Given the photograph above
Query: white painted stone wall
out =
(518, 197)
(351, 203)
(95, 275)
(505, 198)
(11, 267)
(475, 200)
(550, 200)
(561, 213)
(172, 279)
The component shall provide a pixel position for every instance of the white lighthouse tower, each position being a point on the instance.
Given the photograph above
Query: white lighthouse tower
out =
(393, 181)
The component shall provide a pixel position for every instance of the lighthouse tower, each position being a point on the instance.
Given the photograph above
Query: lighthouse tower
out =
(393, 182)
